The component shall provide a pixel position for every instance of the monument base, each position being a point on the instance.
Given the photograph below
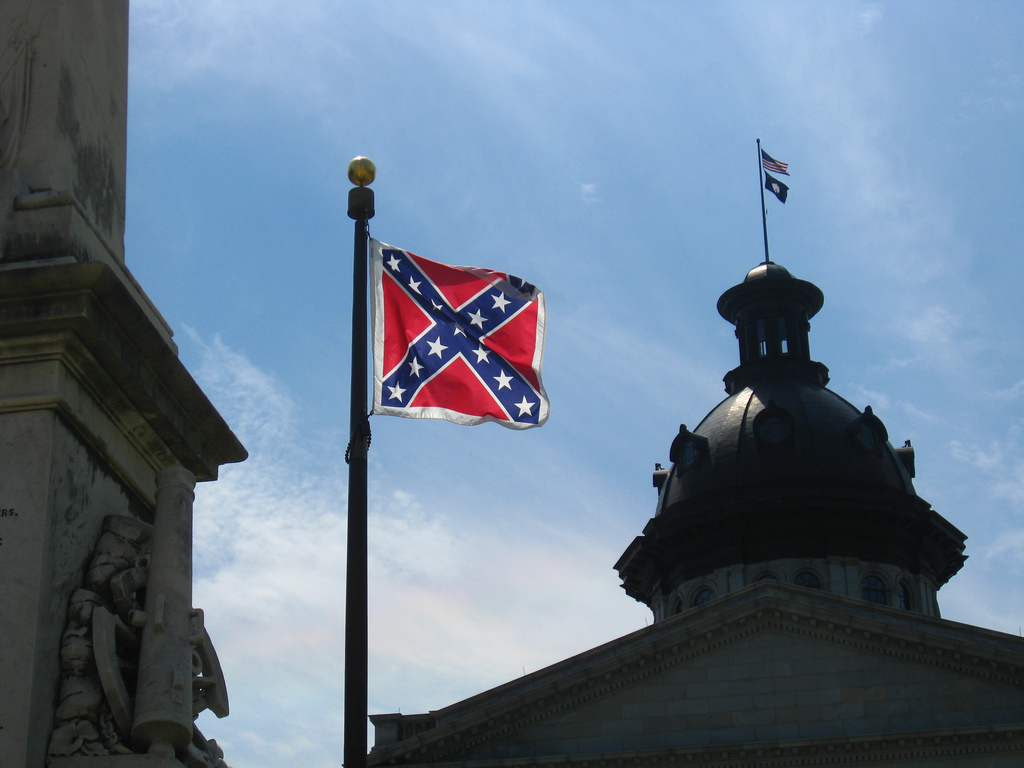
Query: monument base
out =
(116, 761)
(93, 403)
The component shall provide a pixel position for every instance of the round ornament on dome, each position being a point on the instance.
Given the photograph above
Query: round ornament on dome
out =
(774, 425)
(768, 270)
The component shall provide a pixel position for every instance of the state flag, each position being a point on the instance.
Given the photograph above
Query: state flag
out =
(776, 187)
(458, 343)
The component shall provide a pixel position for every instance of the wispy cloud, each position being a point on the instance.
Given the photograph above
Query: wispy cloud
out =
(1011, 393)
(585, 140)
(270, 560)
(879, 401)
(247, 42)
(1002, 463)
(871, 16)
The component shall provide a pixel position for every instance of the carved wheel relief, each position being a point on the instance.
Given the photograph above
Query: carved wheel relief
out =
(100, 654)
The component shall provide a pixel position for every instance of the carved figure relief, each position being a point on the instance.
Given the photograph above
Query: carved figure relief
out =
(100, 654)
(15, 89)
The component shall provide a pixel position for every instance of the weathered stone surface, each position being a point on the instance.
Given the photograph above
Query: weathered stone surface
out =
(163, 697)
(74, 338)
(93, 402)
(116, 761)
(54, 494)
(67, 76)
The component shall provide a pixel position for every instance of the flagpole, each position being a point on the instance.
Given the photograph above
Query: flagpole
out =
(361, 172)
(764, 217)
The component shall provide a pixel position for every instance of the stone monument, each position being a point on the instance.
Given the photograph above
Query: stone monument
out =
(103, 433)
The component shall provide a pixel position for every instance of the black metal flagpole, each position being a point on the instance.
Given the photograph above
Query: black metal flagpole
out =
(764, 217)
(361, 172)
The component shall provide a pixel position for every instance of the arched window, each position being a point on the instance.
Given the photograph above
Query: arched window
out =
(703, 596)
(767, 576)
(903, 595)
(873, 589)
(677, 607)
(807, 579)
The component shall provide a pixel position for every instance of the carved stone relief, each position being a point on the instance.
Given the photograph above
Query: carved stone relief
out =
(100, 654)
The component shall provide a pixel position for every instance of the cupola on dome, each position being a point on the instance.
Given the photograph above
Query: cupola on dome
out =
(786, 479)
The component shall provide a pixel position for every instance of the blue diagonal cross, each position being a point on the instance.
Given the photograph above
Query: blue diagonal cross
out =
(458, 331)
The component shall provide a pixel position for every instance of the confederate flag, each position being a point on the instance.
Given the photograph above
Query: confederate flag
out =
(458, 343)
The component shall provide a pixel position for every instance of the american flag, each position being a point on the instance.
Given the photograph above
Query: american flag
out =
(771, 164)
(458, 343)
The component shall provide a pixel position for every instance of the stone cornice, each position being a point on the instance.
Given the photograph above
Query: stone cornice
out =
(870, 750)
(759, 608)
(817, 519)
(76, 339)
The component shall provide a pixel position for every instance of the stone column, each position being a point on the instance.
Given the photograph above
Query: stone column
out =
(163, 695)
(63, 137)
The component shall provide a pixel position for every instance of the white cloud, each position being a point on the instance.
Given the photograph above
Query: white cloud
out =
(251, 41)
(1001, 462)
(912, 410)
(1009, 543)
(1010, 393)
(269, 573)
(934, 327)
(879, 401)
(870, 16)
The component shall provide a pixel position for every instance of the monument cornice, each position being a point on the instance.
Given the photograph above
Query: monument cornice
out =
(89, 349)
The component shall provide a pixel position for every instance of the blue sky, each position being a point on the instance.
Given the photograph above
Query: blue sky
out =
(605, 151)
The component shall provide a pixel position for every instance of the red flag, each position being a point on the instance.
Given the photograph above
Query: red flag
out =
(458, 343)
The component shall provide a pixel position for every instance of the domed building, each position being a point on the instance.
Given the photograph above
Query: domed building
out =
(792, 571)
(786, 480)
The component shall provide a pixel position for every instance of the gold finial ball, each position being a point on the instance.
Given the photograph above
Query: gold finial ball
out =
(362, 171)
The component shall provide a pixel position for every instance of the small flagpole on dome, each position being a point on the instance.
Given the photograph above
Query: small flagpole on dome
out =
(361, 172)
(764, 216)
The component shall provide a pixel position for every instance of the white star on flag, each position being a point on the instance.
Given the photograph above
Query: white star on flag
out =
(525, 408)
(436, 347)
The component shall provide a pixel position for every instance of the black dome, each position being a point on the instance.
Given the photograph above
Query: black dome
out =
(784, 467)
(787, 430)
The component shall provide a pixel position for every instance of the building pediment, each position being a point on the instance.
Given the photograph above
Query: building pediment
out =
(770, 665)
